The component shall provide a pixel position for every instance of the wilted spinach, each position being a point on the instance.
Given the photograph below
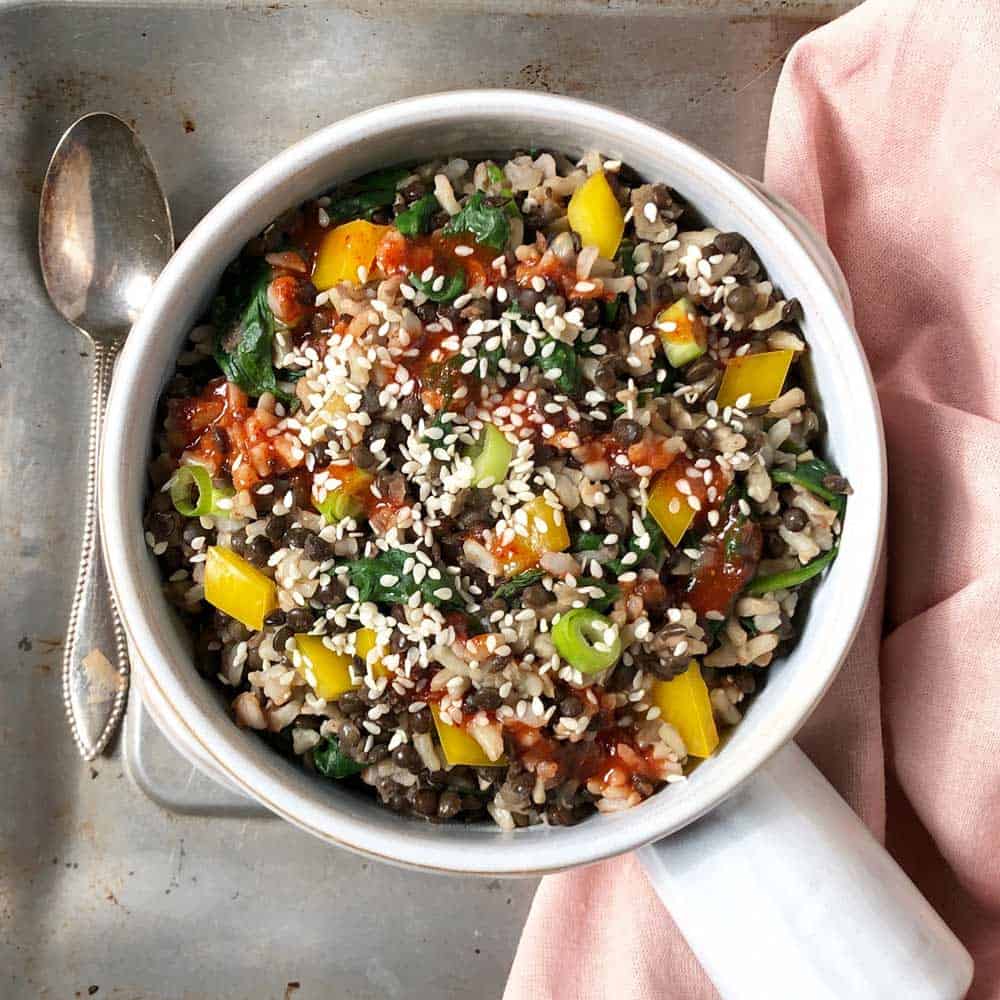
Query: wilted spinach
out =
(332, 762)
(367, 575)
(489, 224)
(518, 583)
(588, 541)
(810, 475)
(562, 357)
(362, 198)
(244, 329)
(416, 219)
(603, 604)
(656, 550)
(450, 290)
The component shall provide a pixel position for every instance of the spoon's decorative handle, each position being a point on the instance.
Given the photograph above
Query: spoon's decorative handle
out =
(95, 661)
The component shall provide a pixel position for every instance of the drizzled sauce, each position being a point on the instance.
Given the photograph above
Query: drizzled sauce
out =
(219, 429)
(552, 268)
(611, 757)
(728, 561)
(398, 254)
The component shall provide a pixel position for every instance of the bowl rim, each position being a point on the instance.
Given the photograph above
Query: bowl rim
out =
(164, 683)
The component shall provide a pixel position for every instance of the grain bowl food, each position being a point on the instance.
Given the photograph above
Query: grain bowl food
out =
(492, 486)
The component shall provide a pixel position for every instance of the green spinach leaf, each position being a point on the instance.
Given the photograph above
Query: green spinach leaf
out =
(603, 604)
(518, 583)
(451, 288)
(810, 475)
(362, 198)
(626, 256)
(244, 329)
(332, 762)
(488, 224)
(368, 575)
(656, 551)
(588, 541)
(561, 357)
(416, 219)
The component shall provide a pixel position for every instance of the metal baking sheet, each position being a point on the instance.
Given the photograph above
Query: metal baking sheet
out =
(165, 886)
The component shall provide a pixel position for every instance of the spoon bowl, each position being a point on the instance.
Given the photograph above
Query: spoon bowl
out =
(104, 231)
(104, 234)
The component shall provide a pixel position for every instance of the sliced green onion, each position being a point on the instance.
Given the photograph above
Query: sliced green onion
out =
(339, 505)
(792, 577)
(194, 495)
(491, 456)
(581, 639)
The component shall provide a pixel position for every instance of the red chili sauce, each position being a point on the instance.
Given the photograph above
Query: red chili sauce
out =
(219, 429)
(651, 452)
(599, 758)
(399, 254)
(729, 557)
(550, 267)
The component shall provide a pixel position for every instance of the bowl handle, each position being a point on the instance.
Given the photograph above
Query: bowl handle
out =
(782, 891)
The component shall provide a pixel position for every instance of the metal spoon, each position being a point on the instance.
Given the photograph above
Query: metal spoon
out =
(104, 234)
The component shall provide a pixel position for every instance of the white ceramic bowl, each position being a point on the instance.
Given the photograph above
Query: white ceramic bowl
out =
(880, 914)
(413, 130)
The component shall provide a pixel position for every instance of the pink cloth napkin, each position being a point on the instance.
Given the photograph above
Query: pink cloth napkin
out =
(885, 133)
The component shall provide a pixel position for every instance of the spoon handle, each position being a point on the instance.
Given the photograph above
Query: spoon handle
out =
(95, 660)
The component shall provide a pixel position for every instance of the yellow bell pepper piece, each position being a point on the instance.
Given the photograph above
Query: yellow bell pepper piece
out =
(331, 674)
(761, 376)
(240, 590)
(328, 672)
(344, 250)
(669, 507)
(684, 703)
(546, 532)
(459, 747)
(595, 215)
(364, 643)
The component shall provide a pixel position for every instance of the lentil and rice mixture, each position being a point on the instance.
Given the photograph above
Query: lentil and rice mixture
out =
(492, 486)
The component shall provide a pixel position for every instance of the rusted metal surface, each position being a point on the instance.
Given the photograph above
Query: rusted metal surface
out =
(99, 885)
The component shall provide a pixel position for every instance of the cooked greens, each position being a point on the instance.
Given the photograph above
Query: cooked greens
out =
(332, 762)
(416, 220)
(365, 196)
(244, 329)
(489, 224)
(440, 288)
(382, 579)
(560, 362)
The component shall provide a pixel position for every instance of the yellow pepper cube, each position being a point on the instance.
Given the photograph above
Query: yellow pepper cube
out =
(759, 376)
(595, 215)
(669, 507)
(364, 643)
(459, 747)
(546, 531)
(328, 672)
(685, 704)
(240, 590)
(344, 250)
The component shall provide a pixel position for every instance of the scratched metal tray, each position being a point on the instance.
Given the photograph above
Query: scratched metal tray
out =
(102, 886)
